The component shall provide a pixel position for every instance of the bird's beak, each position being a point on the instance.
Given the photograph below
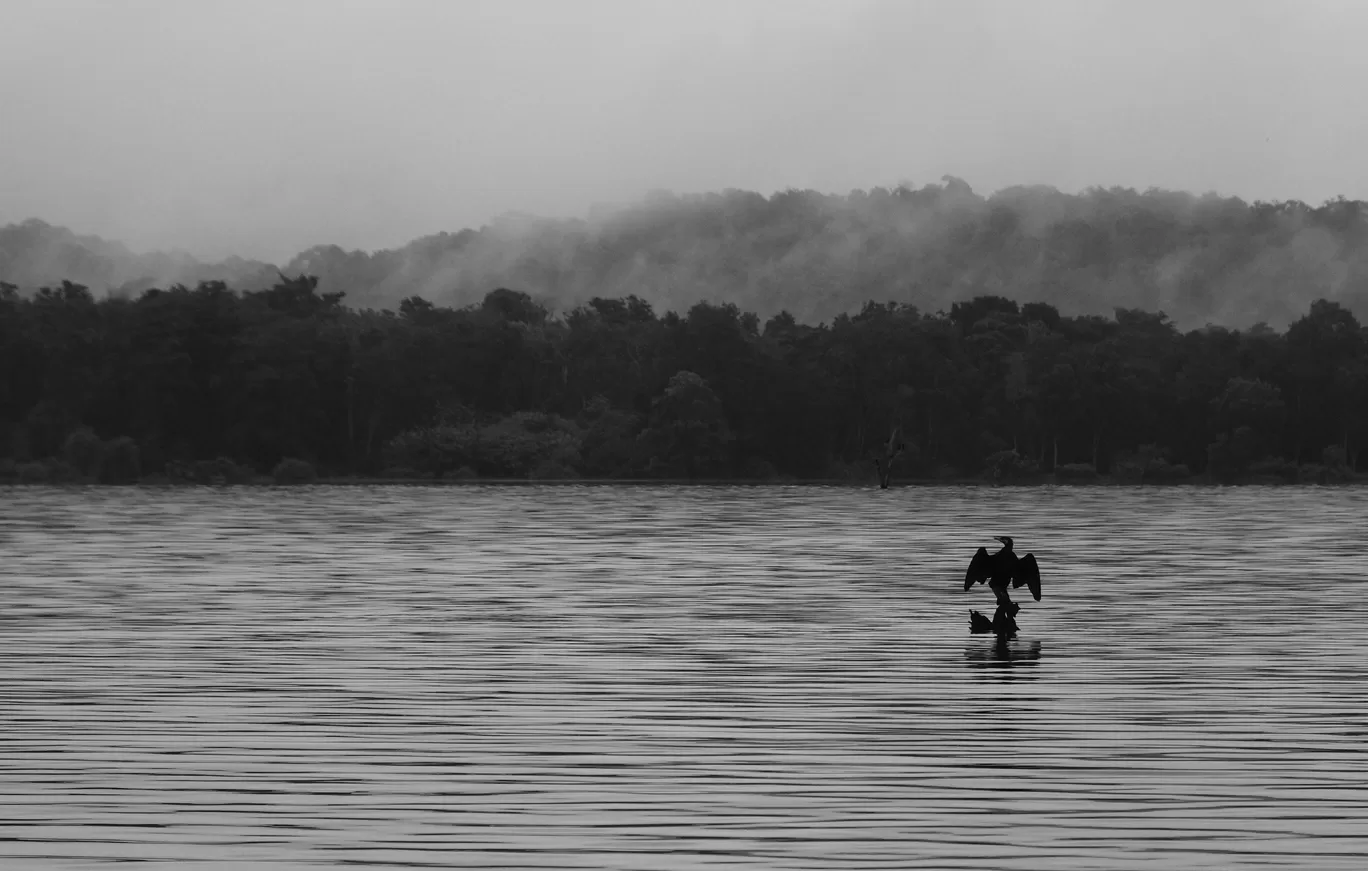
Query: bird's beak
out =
(999, 538)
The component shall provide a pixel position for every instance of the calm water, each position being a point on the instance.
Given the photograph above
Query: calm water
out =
(630, 677)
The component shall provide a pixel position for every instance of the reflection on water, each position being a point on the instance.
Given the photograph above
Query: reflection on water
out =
(634, 677)
(1001, 654)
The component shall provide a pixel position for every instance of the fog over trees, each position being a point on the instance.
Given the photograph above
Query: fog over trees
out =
(1199, 259)
(1145, 337)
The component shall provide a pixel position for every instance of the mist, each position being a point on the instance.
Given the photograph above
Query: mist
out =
(1199, 259)
(263, 129)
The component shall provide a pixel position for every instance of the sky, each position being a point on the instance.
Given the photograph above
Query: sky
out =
(262, 127)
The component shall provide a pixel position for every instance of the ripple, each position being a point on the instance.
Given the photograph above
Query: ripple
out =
(711, 677)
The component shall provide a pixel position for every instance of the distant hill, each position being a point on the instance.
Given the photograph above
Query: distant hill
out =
(35, 254)
(1200, 259)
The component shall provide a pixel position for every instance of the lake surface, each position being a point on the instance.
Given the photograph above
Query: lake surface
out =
(659, 678)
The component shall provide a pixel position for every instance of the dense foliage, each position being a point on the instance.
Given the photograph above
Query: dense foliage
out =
(212, 385)
(1199, 258)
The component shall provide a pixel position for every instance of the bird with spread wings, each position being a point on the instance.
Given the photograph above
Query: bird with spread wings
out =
(1001, 571)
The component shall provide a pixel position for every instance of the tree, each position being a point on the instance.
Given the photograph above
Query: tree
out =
(1322, 347)
(1245, 417)
(688, 435)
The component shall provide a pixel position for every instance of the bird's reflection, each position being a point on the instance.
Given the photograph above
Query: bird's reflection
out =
(1006, 657)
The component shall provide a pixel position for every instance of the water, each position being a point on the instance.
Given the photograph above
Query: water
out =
(662, 678)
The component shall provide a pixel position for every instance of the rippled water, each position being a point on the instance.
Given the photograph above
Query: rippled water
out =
(640, 677)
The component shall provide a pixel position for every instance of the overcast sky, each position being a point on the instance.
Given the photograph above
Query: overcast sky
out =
(261, 128)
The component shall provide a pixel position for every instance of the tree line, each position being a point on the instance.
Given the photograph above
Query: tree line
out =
(1198, 258)
(210, 384)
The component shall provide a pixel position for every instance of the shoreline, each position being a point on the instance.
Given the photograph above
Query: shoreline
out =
(1195, 482)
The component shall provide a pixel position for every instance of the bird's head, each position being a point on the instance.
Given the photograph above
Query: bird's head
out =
(1005, 539)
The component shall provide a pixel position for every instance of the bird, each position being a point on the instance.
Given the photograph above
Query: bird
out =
(1001, 570)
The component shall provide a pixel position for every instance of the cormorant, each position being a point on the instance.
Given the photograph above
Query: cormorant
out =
(1000, 570)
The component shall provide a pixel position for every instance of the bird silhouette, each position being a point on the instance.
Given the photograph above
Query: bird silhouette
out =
(1001, 571)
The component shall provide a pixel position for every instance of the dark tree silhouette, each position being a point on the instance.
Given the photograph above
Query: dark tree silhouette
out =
(211, 385)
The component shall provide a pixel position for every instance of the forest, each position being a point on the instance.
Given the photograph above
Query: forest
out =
(1201, 259)
(289, 383)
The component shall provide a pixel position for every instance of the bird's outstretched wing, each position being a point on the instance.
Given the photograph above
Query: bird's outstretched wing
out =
(980, 569)
(1027, 572)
